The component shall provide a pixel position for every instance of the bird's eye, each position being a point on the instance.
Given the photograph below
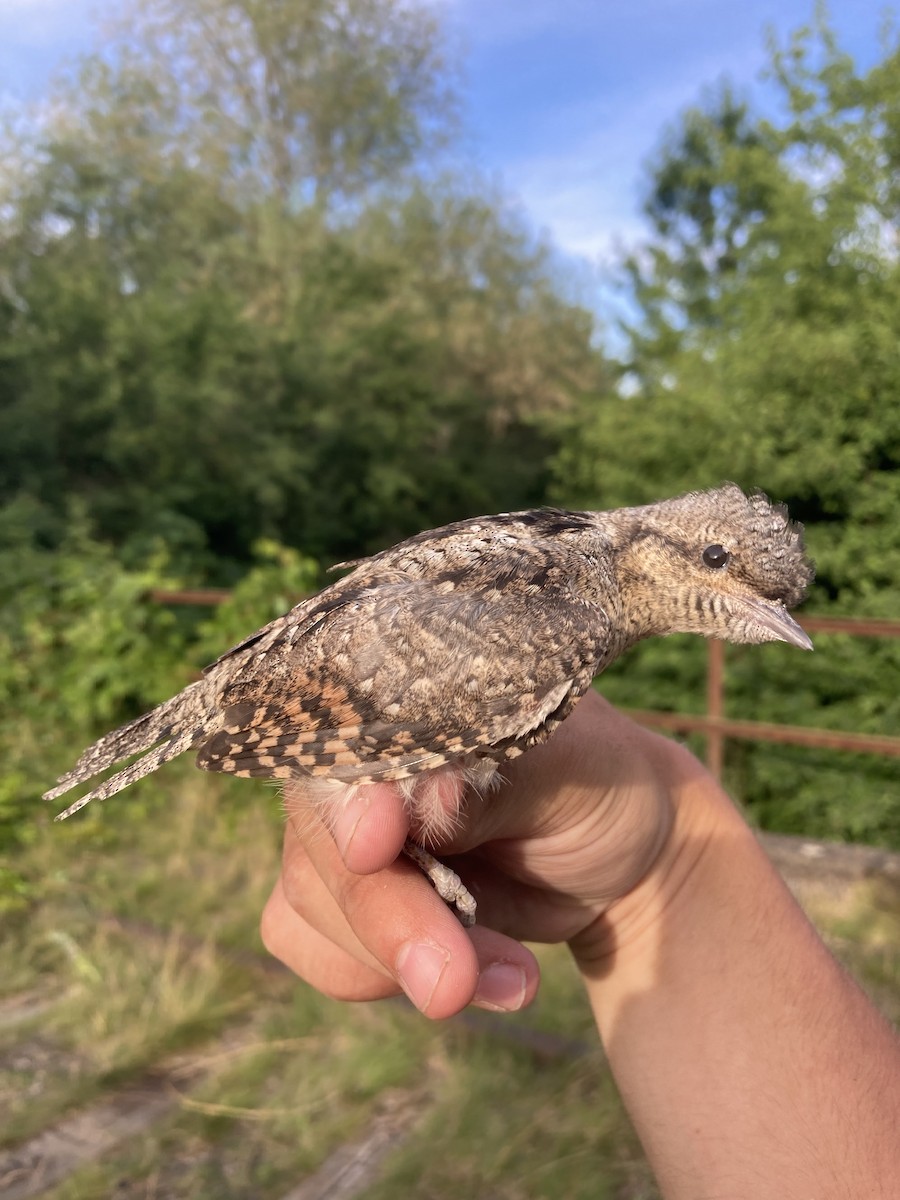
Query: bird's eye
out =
(716, 556)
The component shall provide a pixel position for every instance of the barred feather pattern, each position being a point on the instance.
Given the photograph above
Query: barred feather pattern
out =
(464, 646)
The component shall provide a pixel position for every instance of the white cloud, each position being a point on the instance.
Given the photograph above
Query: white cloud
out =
(588, 192)
(574, 153)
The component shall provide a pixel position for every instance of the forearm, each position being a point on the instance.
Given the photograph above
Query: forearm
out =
(751, 1064)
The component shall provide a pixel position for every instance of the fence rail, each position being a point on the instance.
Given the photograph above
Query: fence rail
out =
(713, 724)
(717, 728)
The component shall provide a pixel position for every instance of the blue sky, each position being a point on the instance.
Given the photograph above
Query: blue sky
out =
(565, 99)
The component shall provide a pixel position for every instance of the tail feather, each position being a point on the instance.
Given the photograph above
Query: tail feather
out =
(178, 723)
(140, 734)
(136, 770)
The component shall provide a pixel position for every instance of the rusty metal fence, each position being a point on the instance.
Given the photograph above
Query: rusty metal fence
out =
(717, 728)
(713, 724)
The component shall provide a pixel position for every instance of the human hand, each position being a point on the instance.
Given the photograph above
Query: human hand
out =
(577, 826)
(750, 1063)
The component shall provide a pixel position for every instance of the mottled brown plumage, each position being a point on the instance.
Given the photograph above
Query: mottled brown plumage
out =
(466, 645)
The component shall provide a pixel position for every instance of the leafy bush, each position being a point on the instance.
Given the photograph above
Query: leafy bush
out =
(84, 647)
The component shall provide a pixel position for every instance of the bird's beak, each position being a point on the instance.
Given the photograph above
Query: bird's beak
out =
(778, 621)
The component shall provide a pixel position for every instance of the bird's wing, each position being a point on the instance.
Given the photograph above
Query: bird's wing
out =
(408, 675)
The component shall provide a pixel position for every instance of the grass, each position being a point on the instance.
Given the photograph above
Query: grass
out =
(142, 948)
(861, 923)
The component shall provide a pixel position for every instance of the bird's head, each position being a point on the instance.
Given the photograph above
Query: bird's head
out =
(719, 563)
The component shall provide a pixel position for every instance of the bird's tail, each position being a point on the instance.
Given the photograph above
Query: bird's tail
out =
(161, 734)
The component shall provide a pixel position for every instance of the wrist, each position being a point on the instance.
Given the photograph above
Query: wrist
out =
(729, 1027)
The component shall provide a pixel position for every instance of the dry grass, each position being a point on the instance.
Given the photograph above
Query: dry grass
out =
(266, 1078)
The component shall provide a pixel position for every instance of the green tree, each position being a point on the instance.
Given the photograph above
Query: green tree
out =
(767, 352)
(291, 100)
(208, 336)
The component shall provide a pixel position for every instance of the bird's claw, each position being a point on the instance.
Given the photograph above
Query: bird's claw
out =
(446, 883)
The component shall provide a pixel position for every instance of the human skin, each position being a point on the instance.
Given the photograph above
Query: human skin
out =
(751, 1064)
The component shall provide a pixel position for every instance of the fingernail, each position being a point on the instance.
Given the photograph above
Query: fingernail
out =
(419, 969)
(345, 824)
(501, 987)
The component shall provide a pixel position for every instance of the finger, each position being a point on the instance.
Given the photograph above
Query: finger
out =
(394, 920)
(508, 974)
(317, 959)
(521, 910)
(503, 984)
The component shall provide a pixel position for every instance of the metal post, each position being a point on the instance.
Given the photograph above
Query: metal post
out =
(715, 675)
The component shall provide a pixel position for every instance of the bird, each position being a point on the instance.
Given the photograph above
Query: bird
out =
(433, 662)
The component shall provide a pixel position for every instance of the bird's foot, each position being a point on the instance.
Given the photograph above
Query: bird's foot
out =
(447, 883)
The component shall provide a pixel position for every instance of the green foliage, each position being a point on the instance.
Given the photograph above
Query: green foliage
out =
(79, 646)
(279, 580)
(238, 330)
(85, 646)
(767, 353)
(243, 335)
(416, 371)
(214, 327)
(304, 100)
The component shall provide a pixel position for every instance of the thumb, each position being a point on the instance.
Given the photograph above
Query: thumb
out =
(369, 823)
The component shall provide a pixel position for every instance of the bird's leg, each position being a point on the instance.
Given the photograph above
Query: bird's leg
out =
(447, 883)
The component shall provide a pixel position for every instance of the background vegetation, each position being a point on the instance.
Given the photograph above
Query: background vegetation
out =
(250, 324)
(253, 321)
